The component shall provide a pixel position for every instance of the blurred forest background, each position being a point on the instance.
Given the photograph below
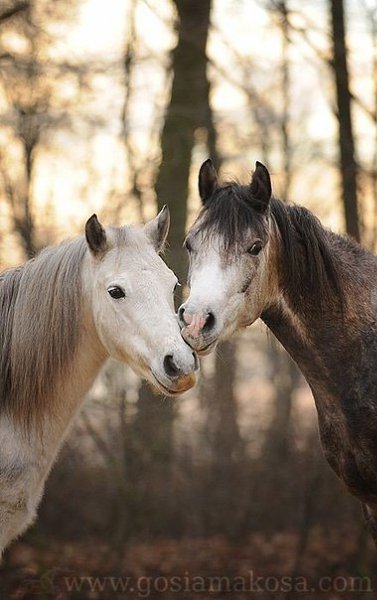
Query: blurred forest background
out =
(111, 107)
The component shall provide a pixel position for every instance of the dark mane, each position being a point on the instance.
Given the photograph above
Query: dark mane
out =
(309, 266)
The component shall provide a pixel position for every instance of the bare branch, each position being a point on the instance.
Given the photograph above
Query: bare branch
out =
(12, 11)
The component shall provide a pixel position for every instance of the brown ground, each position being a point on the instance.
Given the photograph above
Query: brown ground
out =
(259, 567)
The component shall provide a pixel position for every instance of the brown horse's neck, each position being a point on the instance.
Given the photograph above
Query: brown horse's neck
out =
(333, 339)
(336, 350)
(309, 351)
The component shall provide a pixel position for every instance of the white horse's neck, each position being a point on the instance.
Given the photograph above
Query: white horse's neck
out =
(69, 394)
(26, 459)
(88, 360)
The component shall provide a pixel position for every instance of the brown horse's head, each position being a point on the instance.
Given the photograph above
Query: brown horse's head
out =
(249, 252)
(229, 248)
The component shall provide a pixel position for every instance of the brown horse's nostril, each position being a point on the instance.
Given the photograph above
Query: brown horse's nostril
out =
(170, 367)
(184, 316)
(210, 323)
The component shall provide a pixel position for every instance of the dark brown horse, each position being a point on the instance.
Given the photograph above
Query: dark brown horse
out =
(253, 256)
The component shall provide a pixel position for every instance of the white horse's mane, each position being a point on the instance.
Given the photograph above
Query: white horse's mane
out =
(40, 310)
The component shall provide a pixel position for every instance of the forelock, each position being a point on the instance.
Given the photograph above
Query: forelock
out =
(231, 214)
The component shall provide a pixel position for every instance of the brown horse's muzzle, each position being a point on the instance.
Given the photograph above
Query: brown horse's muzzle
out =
(197, 330)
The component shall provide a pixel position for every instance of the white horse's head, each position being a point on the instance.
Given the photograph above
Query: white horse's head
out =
(130, 292)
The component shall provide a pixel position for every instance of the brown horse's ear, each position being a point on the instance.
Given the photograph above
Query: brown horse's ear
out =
(260, 186)
(207, 180)
(95, 236)
(158, 228)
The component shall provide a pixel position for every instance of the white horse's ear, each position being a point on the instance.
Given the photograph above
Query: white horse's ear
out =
(207, 180)
(95, 236)
(158, 228)
(260, 186)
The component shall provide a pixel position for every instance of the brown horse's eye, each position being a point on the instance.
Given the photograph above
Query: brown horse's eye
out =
(255, 248)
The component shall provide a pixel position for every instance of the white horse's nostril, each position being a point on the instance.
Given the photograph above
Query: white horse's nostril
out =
(171, 369)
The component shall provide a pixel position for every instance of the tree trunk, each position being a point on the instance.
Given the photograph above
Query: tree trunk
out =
(285, 88)
(222, 424)
(187, 111)
(347, 162)
(27, 104)
(284, 372)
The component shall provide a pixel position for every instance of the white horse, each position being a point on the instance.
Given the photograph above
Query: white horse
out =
(62, 315)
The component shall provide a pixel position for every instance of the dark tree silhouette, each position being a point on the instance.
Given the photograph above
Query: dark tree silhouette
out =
(347, 162)
(187, 110)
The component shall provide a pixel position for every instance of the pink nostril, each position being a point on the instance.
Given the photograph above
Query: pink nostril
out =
(195, 325)
(184, 316)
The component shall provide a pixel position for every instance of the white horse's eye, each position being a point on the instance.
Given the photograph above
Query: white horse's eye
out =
(177, 285)
(255, 248)
(116, 292)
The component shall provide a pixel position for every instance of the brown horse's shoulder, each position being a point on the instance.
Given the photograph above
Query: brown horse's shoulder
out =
(349, 442)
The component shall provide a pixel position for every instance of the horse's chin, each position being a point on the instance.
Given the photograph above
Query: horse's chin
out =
(171, 388)
(226, 333)
(183, 384)
(203, 345)
(207, 349)
(200, 344)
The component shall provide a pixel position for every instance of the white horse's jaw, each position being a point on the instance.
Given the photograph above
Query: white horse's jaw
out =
(158, 379)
